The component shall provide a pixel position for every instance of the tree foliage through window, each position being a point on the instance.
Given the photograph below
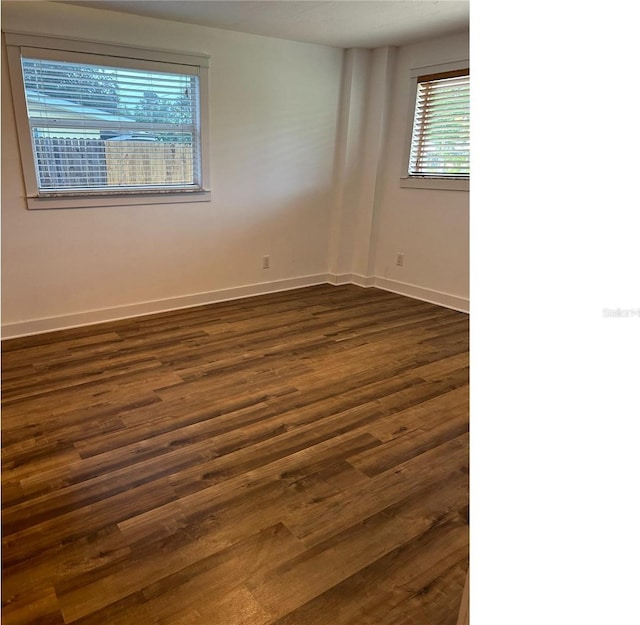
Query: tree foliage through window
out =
(83, 84)
(103, 89)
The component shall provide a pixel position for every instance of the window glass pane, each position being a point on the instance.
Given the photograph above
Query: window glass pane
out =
(105, 128)
(440, 138)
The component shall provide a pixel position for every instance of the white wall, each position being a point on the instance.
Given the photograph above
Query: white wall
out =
(374, 217)
(350, 170)
(430, 227)
(360, 144)
(273, 116)
(307, 148)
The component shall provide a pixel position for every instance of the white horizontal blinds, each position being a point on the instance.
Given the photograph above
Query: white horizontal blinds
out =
(98, 127)
(440, 138)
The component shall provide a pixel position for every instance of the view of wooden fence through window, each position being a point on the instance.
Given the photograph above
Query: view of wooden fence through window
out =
(90, 163)
(146, 163)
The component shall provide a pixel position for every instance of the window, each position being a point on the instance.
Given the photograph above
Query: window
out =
(439, 152)
(103, 125)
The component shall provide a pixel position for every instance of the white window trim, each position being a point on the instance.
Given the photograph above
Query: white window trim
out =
(57, 47)
(417, 182)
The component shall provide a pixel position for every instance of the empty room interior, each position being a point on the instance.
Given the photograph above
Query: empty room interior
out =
(235, 312)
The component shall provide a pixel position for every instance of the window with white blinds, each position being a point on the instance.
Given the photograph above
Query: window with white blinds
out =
(98, 128)
(440, 136)
(107, 122)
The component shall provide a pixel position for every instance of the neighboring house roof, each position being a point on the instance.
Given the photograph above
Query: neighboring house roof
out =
(42, 105)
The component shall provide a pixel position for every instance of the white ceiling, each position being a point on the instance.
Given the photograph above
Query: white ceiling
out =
(343, 23)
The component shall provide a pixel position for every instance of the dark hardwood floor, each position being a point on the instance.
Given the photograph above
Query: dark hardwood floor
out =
(299, 458)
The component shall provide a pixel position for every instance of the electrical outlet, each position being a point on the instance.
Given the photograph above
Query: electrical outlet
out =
(266, 262)
(400, 259)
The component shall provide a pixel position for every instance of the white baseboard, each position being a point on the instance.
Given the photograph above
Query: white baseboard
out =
(455, 302)
(350, 278)
(90, 317)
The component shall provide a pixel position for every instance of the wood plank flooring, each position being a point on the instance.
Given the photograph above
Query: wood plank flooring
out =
(298, 458)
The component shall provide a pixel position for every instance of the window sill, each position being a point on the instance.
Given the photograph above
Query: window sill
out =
(95, 201)
(435, 183)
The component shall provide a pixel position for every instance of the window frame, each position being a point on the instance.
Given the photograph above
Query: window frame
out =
(61, 49)
(420, 182)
